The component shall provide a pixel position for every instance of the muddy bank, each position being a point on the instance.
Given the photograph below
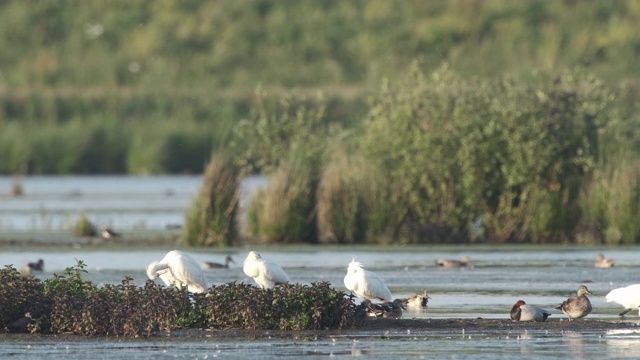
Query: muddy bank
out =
(375, 328)
(391, 327)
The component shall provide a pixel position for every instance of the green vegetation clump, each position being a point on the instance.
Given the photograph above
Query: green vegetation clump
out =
(211, 220)
(286, 307)
(84, 227)
(68, 304)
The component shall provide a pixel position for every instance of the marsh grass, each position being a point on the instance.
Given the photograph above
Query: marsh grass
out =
(284, 211)
(69, 304)
(16, 186)
(341, 200)
(611, 202)
(211, 220)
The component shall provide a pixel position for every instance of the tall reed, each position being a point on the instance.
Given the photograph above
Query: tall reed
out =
(211, 219)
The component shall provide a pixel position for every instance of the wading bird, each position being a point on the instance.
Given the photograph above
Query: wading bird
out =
(578, 306)
(602, 262)
(448, 263)
(365, 284)
(178, 269)
(264, 272)
(215, 265)
(522, 311)
(628, 297)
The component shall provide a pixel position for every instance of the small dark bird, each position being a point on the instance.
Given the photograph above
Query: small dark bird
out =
(21, 325)
(32, 266)
(390, 309)
(215, 265)
(36, 266)
(108, 233)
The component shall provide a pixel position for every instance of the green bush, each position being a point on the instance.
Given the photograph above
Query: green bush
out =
(455, 150)
(286, 307)
(68, 304)
(19, 295)
(84, 226)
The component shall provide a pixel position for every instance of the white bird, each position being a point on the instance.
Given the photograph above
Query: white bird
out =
(264, 272)
(522, 311)
(628, 297)
(178, 269)
(366, 284)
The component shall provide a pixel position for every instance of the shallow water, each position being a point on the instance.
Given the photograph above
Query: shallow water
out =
(499, 277)
(488, 290)
(496, 280)
(523, 345)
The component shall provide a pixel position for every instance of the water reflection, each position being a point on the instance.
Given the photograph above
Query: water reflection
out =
(623, 343)
(575, 344)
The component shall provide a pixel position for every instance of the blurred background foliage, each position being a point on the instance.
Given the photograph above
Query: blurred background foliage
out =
(376, 121)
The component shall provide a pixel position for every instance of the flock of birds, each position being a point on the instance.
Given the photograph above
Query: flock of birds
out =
(179, 269)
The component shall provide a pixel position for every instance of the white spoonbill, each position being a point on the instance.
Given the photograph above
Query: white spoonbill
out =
(628, 297)
(264, 272)
(366, 284)
(178, 269)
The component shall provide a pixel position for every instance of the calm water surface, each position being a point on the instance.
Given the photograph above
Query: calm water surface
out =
(499, 276)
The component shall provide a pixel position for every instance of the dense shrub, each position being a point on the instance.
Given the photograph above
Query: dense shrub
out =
(71, 305)
(286, 307)
(457, 151)
(18, 296)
